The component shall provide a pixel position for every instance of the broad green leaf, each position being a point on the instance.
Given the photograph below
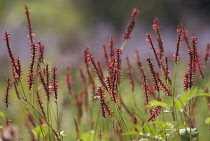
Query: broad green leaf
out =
(155, 103)
(40, 131)
(2, 115)
(130, 133)
(178, 105)
(207, 121)
(87, 136)
(183, 99)
(139, 128)
(147, 129)
(153, 130)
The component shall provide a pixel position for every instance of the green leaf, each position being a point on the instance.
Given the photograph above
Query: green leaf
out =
(147, 129)
(153, 130)
(88, 136)
(155, 103)
(2, 115)
(178, 105)
(207, 121)
(40, 131)
(183, 99)
(130, 133)
(139, 128)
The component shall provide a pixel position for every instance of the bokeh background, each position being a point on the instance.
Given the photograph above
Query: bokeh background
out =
(66, 26)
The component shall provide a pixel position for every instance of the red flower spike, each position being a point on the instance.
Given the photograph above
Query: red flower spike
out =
(54, 83)
(156, 28)
(150, 42)
(176, 55)
(154, 74)
(6, 99)
(155, 113)
(30, 33)
(145, 85)
(40, 103)
(44, 84)
(105, 109)
(131, 25)
(13, 60)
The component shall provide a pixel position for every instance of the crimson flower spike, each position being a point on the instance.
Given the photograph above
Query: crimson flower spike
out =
(54, 83)
(149, 40)
(176, 55)
(111, 45)
(156, 28)
(40, 103)
(9, 85)
(154, 74)
(30, 33)
(155, 113)
(6, 37)
(131, 25)
(185, 36)
(105, 109)
(145, 85)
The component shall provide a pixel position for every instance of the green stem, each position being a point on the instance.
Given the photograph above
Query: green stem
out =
(58, 138)
(97, 119)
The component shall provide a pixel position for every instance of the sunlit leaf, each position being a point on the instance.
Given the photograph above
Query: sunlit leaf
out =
(178, 105)
(155, 103)
(2, 115)
(207, 121)
(40, 131)
(139, 128)
(130, 133)
(87, 136)
(147, 129)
